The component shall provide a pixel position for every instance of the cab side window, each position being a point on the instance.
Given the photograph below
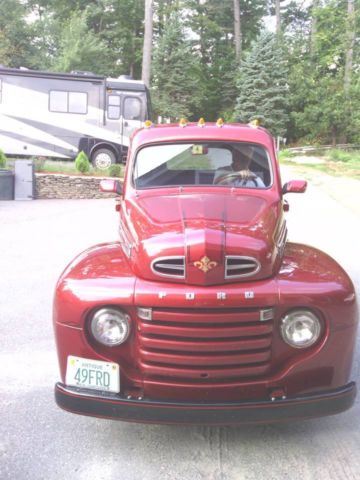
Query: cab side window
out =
(132, 108)
(113, 108)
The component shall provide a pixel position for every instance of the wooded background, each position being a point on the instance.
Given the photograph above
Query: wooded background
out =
(207, 58)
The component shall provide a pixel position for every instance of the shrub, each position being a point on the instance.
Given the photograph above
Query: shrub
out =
(115, 170)
(39, 163)
(82, 163)
(3, 159)
(340, 156)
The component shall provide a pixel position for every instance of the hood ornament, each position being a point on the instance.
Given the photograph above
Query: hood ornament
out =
(205, 264)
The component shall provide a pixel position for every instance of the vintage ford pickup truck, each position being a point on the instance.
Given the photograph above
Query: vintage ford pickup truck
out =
(202, 312)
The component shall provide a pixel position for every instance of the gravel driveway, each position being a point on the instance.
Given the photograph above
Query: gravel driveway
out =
(40, 441)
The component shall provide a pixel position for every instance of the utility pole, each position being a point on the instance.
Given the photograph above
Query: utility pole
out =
(350, 41)
(237, 30)
(278, 20)
(146, 62)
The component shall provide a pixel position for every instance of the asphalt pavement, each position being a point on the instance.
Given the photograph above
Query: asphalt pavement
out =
(40, 441)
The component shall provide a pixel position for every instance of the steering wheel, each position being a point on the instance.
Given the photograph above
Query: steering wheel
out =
(242, 175)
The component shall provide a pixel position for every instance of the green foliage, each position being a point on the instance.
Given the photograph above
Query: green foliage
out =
(262, 85)
(79, 47)
(286, 155)
(3, 159)
(120, 26)
(39, 163)
(341, 155)
(16, 35)
(176, 90)
(82, 163)
(320, 108)
(116, 170)
(212, 22)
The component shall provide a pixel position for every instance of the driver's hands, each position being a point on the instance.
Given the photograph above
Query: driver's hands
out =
(246, 174)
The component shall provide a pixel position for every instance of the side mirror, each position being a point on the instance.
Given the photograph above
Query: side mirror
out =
(111, 186)
(294, 186)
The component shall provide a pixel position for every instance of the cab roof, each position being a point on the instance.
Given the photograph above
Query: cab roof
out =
(231, 132)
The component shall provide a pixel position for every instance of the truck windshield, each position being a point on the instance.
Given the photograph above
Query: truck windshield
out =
(236, 164)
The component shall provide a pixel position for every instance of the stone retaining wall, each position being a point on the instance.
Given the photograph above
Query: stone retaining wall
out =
(67, 186)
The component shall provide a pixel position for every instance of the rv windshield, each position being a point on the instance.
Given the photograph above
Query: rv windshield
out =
(217, 163)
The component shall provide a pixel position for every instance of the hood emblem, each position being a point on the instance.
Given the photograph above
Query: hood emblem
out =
(205, 264)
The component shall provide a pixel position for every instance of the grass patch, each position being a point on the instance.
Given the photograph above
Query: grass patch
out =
(286, 155)
(343, 163)
(336, 162)
(344, 156)
(350, 167)
(68, 168)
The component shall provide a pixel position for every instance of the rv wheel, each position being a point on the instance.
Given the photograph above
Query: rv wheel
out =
(103, 158)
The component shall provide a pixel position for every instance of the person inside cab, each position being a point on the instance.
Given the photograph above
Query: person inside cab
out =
(238, 174)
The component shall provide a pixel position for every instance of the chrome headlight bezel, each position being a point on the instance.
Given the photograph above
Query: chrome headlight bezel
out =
(110, 327)
(291, 326)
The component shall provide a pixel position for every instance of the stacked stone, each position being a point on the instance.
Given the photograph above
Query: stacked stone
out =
(68, 187)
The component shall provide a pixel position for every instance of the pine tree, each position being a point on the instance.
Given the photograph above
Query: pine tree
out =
(262, 85)
(176, 88)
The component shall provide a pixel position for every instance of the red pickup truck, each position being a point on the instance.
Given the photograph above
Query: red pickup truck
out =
(202, 312)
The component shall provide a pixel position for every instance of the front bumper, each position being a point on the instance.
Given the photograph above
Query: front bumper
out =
(97, 404)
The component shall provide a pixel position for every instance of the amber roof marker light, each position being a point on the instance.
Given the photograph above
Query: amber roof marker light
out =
(220, 122)
(201, 122)
(148, 124)
(183, 122)
(255, 123)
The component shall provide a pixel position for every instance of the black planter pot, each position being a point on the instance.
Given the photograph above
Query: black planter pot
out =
(6, 185)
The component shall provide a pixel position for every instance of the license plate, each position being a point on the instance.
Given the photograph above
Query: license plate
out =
(93, 374)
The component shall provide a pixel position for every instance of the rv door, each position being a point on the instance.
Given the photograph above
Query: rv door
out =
(134, 108)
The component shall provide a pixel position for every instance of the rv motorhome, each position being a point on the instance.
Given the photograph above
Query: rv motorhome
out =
(59, 114)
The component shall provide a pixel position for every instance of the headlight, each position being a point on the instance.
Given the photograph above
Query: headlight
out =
(300, 328)
(110, 327)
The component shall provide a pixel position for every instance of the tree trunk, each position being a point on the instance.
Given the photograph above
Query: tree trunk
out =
(237, 30)
(333, 136)
(277, 14)
(350, 41)
(146, 62)
(315, 5)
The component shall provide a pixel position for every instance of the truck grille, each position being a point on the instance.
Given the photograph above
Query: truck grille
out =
(205, 344)
(236, 266)
(169, 267)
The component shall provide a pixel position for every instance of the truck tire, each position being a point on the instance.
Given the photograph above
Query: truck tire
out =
(103, 158)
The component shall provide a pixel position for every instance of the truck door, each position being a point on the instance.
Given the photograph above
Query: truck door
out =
(134, 111)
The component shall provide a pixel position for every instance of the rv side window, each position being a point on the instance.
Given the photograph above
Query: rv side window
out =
(77, 102)
(132, 108)
(113, 107)
(68, 102)
(58, 102)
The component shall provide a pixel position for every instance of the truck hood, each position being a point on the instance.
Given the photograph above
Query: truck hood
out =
(203, 239)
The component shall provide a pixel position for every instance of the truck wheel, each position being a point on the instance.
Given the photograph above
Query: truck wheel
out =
(103, 158)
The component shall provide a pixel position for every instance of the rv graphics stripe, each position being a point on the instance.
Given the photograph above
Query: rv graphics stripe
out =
(74, 127)
(38, 131)
(32, 146)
